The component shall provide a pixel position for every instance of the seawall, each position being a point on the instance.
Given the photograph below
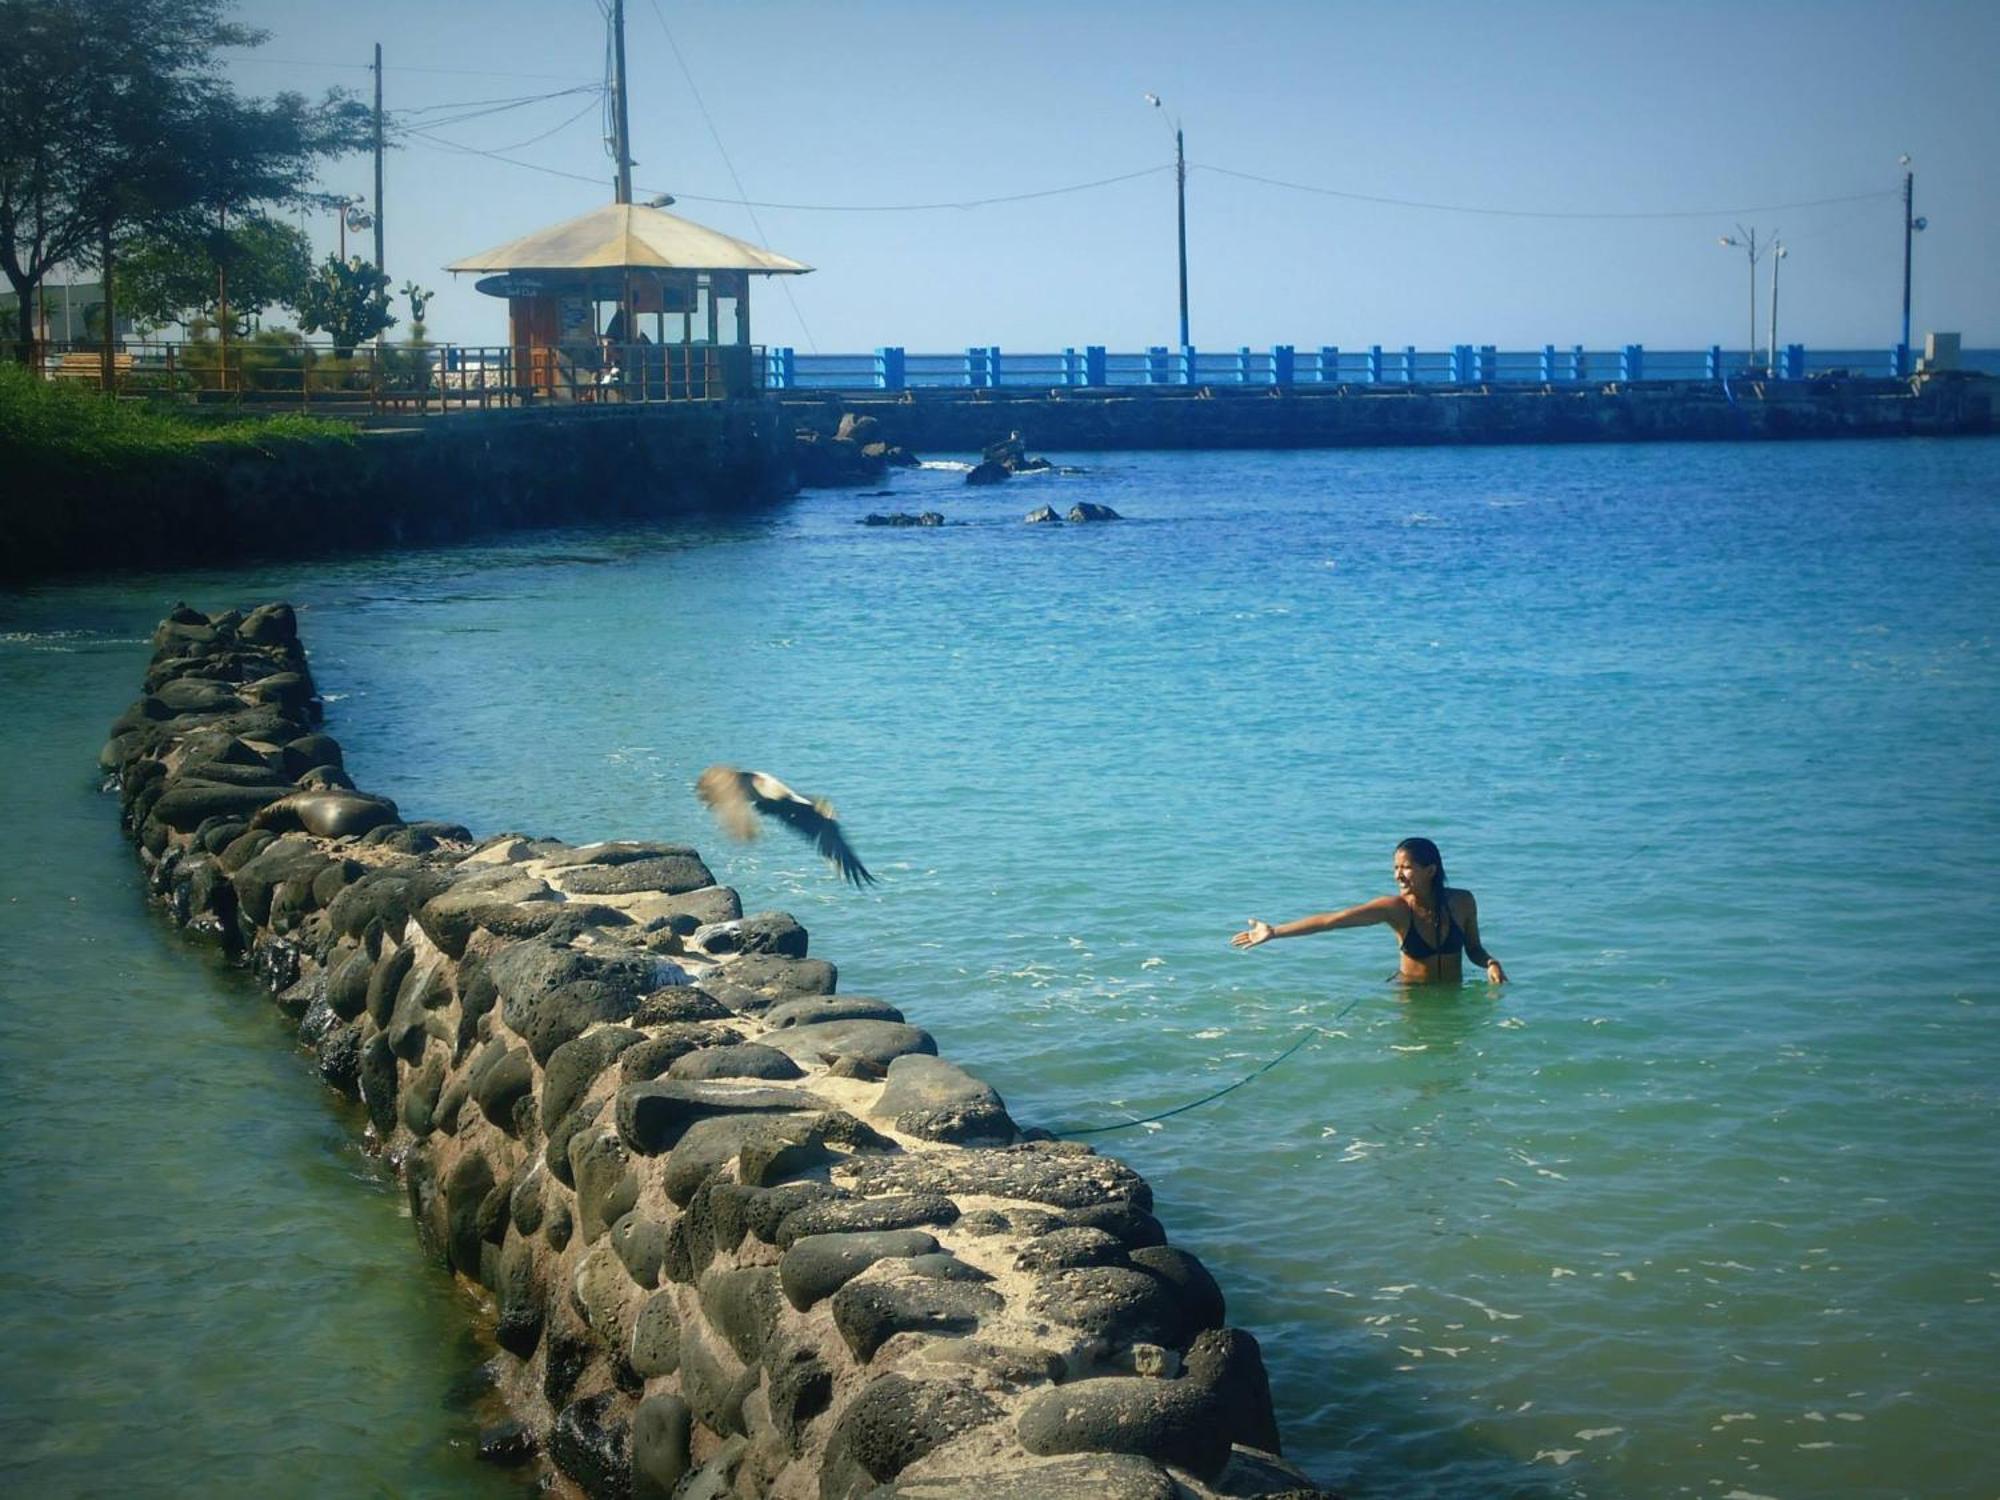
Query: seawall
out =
(437, 479)
(739, 1234)
(948, 420)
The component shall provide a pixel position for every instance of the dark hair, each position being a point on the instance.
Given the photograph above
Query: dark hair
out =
(1424, 852)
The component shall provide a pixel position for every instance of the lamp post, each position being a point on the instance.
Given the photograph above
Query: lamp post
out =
(1746, 240)
(1778, 253)
(1180, 199)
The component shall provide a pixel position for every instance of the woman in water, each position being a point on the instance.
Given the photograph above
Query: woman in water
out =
(1434, 923)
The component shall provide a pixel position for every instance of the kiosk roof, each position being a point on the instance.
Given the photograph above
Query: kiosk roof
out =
(632, 236)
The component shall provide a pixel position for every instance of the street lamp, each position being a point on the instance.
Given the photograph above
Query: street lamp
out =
(1778, 253)
(1912, 225)
(1180, 198)
(352, 215)
(1746, 240)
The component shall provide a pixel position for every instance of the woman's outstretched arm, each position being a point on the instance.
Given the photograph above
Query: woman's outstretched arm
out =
(1367, 914)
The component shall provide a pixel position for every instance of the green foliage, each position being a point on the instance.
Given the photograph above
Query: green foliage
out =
(114, 116)
(173, 278)
(348, 301)
(43, 423)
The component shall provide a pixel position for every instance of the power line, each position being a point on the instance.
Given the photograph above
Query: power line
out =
(784, 283)
(1530, 213)
(320, 62)
(917, 208)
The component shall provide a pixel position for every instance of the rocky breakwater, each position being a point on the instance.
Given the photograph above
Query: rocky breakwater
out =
(739, 1234)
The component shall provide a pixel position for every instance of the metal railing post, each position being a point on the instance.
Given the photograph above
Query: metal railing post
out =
(1094, 366)
(1284, 367)
(1329, 364)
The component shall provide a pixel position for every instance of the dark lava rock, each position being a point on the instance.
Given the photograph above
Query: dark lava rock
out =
(766, 932)
(679, 1003)
(819, 1265)
(1042, 515)
(1115, 1304)
(576, 1064)
(1083, 510)
(731, 1210)
(672, 874)
(551, 995)
(891, 1424)
(815, 1009)
(1189, 1278)
(556, 1153)
(497, 1087)
(661, 1430)
(653, 1116)
(847, 1215)
(592, 1444)
(338, 1056)
(746, 1060)
(507, 1445)
(780, 978)
(641, 1244)
(988, 472)
(656, 1337)
(606, 1184)
(797, 1387)
(1191, 1422)
(937, 1101)
(872, 1041)
(1071, 1249)
(713, 1381)
(668, 1044)
(1062, 1174)
(1088, 1476)
(741, 1304)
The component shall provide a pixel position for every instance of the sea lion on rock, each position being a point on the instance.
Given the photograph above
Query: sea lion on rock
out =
(327, 815)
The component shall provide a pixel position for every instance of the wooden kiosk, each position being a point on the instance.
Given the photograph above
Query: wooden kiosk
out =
(628, 303)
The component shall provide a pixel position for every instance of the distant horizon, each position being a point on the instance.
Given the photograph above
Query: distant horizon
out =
(1569, 156)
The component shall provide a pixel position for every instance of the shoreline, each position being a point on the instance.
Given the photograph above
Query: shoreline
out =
(734, 1224)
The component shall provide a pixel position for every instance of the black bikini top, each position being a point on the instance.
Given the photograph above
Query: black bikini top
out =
(1416, 945)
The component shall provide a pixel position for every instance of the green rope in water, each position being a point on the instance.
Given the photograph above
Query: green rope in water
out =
(1303, 1037)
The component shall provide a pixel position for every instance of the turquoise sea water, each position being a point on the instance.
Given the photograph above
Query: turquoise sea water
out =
(1703, 1203)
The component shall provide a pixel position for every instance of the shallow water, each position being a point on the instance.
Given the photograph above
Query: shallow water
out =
(1701, 1203)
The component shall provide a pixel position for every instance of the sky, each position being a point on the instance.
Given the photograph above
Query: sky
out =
(1584, 157)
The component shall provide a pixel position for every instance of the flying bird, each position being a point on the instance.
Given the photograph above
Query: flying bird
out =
(736, 796)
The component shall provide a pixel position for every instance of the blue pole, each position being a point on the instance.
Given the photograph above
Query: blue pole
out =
(1329, 364)
(1374, 364)
(1283, 367)
(1093, 365)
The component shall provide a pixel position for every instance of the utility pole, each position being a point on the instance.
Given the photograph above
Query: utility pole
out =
(378, 173)
(1778, 253)
(621, 123)
(1180, 179)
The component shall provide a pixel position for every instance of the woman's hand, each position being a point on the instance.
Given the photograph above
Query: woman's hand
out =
(1257, 932)
(1494, 973)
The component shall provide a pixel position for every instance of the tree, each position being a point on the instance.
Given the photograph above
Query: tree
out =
(169, 278)
(348, 300)
(114, 119)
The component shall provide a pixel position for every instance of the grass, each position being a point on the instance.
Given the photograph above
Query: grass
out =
(72, 425)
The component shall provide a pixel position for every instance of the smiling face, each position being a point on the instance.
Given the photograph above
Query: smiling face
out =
(1413, 879)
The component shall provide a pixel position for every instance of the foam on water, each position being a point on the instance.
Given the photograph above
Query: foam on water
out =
(1718, 764)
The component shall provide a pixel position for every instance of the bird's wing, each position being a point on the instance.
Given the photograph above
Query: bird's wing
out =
(727, 792)
(814, 818)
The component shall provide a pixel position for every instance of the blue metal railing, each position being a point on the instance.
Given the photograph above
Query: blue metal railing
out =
(988, 367)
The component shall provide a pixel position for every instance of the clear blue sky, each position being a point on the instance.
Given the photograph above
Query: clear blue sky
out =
(1594, 107)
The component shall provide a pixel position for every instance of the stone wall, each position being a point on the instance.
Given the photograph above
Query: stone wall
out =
(741, 1234)
(958, 421)
(440, 479)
